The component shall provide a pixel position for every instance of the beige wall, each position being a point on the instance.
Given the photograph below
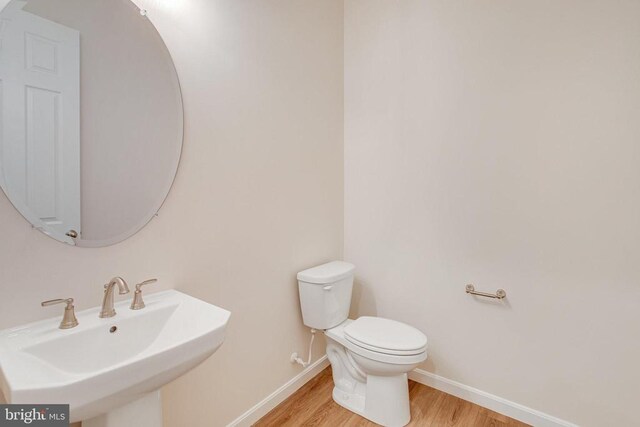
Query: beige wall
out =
(493, 143)
(258, 197)
(497, 143)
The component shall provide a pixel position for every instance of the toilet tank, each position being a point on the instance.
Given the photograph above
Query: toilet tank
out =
(325, 294)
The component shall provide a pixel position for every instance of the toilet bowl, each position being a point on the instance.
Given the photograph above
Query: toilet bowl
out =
(371, 381)
(370, 356)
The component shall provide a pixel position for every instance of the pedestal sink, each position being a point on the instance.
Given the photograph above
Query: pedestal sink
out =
(110, 370)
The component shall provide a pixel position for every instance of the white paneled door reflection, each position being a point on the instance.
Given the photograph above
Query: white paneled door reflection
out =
(40, 147)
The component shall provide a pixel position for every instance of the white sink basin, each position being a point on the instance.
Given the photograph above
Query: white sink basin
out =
(95, 370)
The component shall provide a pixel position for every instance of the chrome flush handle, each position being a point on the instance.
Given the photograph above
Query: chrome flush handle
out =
(69, 318)
(138, 302)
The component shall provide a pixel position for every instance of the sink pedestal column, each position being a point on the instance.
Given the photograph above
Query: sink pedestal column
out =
(144, 412)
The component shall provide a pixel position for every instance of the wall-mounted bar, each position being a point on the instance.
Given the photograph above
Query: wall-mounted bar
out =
(500, 293)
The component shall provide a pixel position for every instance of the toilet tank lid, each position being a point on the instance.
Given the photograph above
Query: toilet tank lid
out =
(327, 273)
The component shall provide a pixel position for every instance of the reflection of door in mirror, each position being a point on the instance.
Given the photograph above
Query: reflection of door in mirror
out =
(40, 147)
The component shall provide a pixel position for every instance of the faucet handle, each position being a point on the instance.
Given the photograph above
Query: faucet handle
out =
(146, 282)
(137, 302)
(68, 301)
(69, 318)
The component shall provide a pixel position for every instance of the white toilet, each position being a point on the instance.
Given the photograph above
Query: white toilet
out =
(370, 356)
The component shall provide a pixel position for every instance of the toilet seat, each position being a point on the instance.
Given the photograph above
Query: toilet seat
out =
(337, 334)
(385, 336)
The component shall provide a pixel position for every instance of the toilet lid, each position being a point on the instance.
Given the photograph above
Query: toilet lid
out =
(385, 336)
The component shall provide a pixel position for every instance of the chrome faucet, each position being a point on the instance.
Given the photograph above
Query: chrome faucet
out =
(107, 302)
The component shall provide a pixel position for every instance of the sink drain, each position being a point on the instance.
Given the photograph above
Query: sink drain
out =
(113, 329)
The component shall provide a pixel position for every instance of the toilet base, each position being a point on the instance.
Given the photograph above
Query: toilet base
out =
(352, 402)
(385, 400)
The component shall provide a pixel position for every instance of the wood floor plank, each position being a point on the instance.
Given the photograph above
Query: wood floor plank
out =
(455, 412)
(295, 412)
(425, 402)
(487, 418)
(313, 406)
(334, 412)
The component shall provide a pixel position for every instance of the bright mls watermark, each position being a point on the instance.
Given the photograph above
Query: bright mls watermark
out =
(34, 415)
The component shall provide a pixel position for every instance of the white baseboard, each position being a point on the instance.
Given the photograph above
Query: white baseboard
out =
(479, 397)
(489, 401)
(274, 399)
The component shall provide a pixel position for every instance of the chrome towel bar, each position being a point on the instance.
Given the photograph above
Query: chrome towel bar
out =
(500, 293)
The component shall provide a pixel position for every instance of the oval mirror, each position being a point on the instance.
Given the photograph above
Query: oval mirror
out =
(91, 118)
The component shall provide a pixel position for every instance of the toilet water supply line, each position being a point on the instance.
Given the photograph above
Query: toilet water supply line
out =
(294, 357)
